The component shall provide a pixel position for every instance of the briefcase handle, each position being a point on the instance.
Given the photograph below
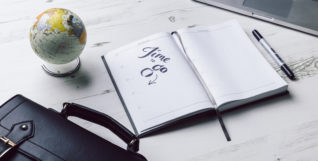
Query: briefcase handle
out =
(72, 109)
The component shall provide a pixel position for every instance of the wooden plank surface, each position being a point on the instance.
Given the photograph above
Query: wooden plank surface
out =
(279, 128)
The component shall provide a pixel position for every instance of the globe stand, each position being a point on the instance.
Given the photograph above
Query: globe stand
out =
(62, 70)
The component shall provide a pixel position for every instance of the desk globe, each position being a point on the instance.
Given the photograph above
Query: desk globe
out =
(58, 37)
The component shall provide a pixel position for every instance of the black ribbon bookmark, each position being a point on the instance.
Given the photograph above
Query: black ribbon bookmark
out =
(219, 116)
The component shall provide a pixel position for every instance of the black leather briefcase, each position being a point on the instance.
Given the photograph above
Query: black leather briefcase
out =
(30, 132)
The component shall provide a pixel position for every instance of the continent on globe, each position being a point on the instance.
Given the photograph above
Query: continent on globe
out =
(58, 36)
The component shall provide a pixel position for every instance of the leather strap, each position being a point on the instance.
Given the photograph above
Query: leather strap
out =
(72, 109)
(18, 133)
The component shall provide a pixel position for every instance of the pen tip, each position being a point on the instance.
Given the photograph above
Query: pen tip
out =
(293, 78)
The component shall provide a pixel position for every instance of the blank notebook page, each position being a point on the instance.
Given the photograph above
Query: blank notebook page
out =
(228, 62)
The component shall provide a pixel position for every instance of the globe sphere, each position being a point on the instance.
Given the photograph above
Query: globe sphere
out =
(58, 36)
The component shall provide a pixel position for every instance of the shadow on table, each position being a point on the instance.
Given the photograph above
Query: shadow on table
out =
(211, 115)
(81, 79)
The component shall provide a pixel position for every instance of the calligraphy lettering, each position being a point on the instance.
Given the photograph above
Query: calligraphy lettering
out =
(154, 52)
(151, 73)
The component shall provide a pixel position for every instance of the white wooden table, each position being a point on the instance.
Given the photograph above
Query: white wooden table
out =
(280, 128)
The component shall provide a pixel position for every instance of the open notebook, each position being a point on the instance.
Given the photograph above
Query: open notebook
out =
(169, 76)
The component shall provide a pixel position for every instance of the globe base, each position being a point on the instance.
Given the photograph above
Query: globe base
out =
(62, 70)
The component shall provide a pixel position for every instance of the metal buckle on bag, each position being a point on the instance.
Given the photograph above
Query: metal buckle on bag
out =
(132, 142)
(7, 142)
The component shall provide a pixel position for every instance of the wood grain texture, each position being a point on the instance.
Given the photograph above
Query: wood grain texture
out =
(278, 128)
(298, 143)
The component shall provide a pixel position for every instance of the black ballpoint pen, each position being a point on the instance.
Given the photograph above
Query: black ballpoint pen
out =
(274, 55)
